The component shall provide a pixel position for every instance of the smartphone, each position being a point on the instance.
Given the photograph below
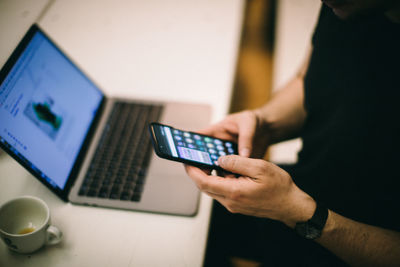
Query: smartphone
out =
(189, 147)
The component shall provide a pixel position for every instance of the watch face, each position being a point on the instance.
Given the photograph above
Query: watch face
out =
(312, 233)
(307, 230)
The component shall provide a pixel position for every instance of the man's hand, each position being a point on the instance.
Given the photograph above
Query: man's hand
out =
(246, 129)
(262, 189)
(265, 190)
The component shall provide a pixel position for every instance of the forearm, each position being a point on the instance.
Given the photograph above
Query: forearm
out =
(359, 244)
(356, 243)
(284, 114)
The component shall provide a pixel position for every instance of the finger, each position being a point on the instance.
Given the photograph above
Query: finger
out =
(211, 184)
(253, 168)
(219, 131)
(232, 207)
(247, 128)
(209, 130)
(221, 200)
(206, 171)
(230, 175)
(214, 196)
(223, 173)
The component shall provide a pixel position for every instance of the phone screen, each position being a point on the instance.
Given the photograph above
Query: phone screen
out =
(189, 147)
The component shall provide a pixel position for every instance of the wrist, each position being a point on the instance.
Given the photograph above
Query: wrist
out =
(266, 121)
(269, 120)
(303, 209)
(263, 115)
(259, 114)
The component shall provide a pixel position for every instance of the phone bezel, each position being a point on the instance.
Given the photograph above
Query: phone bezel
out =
(155, 142)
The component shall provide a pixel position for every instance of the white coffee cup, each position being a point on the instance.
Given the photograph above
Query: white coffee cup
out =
(25, 225)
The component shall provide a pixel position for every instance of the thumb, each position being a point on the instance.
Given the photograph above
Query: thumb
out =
(240, 165)
(247, 128)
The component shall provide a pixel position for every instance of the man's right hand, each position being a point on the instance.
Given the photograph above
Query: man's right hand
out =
(245, 128)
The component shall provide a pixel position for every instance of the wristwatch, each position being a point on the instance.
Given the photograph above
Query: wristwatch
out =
(312, 228)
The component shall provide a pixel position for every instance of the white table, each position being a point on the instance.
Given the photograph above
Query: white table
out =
(166, 49)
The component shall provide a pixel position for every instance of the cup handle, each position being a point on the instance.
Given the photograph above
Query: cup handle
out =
(53, 235)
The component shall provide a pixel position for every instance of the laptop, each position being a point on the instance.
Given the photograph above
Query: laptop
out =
(86, 147)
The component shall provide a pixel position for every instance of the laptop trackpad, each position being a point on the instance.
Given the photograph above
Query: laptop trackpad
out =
(170, 188)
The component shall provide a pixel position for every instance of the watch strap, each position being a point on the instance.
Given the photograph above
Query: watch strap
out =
(320, 216)
(312, 228)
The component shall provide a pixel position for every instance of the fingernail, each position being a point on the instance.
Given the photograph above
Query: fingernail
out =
(245, 152)
(221, 160)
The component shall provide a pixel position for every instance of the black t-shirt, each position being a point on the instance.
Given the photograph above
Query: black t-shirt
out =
(351, 142)
(351, 137)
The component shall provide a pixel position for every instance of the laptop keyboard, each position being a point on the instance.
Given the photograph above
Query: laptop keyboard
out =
(118, 169)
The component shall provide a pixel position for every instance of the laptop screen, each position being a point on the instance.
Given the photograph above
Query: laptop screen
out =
(47, 106)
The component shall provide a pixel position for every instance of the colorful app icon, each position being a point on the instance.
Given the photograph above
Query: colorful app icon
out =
(207, 139)
(217, 142)
(214, 157)
(199, 142)
(228, 144)
(212, 151)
